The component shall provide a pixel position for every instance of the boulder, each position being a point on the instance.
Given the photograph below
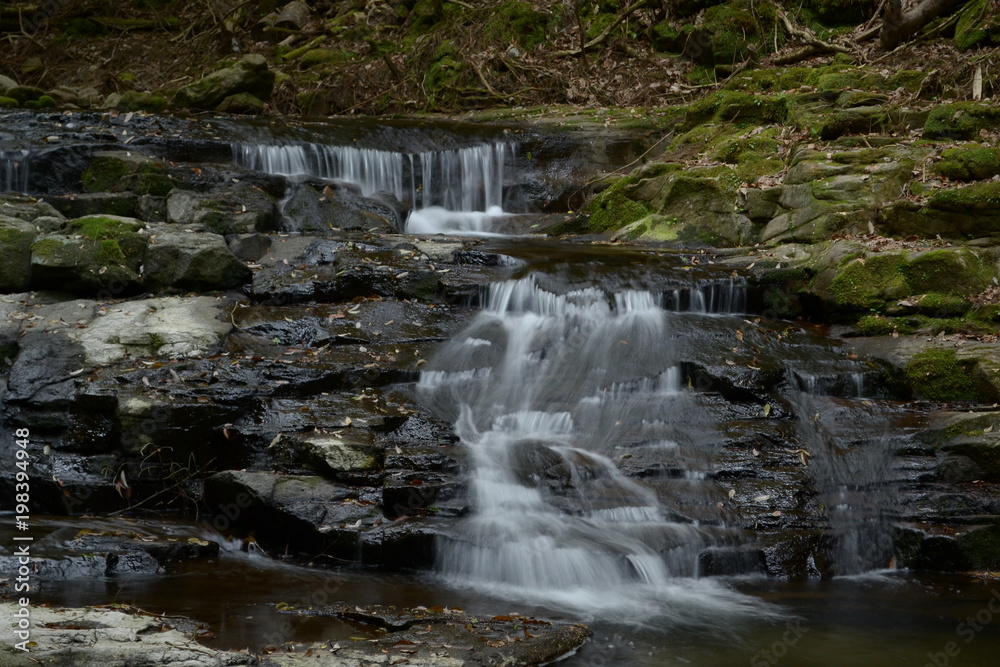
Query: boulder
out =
(250, 75)
(6, 83)
(309, 210)
(237, 209)
(241, 103)
(191, 261)
(84, 265)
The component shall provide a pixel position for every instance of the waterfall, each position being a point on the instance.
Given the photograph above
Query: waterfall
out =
(543, 389)
(722, 296)
(14, 170)
(451, 190)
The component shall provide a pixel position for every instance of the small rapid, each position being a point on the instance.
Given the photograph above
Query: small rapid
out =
(542, 387)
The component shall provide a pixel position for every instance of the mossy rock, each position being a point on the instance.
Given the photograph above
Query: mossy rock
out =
(961, 120)
(128, 245)
(879, 325)
(8, 103)
(613, 208)
(951, 272)
(938, 375)
(250, 75)
(43, 102)
(241, 103)
(943, 305)
(979, 197)
(737, 108)
(324, 57)
(133, 100)
(447, 73)
(16, 237)
(978, 25)
(977, 163)
(24, 94)
(85, 265)
(120, 171)
(866, 283)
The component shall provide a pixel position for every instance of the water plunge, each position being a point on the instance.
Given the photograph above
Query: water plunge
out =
(450, 191)
(14, 170)
(542, 388)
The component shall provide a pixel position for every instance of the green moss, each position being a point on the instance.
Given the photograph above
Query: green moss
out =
(910, 79)
(948, 272)
(613, 208)
(838, 81)
(522, 24)
(978, 25)
(878, 325)
(866, 283)
(737, 108)
(979, 196)
(961, 120)
(952, 325)
(133, 100)
(841, 12)
(938, 375)
(43, 102)
(740, 28)
(324, 57)
(109, 252)
(969, 164)
(8, 103)
(100, 228)
(111, 173)
(943, 305)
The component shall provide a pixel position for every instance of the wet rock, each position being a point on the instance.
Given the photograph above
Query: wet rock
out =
(83, 265)
(28, 209)
(441, 636)
(337, 454)
(163, 551)
(114, 638)
(237, 209)
(731, 561)
(95, 203)
(292, 513)
(250, 75)
(309, 210)
(191, 261)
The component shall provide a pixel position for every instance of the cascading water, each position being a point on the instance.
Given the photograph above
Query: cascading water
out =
(14, 170)
(543, 389)
(453, 190)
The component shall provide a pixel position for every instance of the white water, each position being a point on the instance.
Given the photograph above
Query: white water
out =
(542, 388)
(451, 191)
(14, 170)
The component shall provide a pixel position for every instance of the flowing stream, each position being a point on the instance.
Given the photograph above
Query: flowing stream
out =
(606, 399)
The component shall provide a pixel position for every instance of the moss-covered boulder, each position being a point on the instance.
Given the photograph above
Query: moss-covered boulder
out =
(978, 24)
(670, 205)
(976, 438)
(176, 259)
(16, 237)
(866, 282)
(241, 103)
(250, 75)
(975, 163)
(740, 30)
(961, 120)
(938, 375)
(97, 253)
(8, 102)
(125, 171)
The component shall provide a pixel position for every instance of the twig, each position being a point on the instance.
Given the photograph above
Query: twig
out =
(808, 38)
(461, 4)
(600, 39)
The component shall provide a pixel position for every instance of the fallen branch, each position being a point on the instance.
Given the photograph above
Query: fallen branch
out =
(897, 26)
(603, 37)
(809, 39)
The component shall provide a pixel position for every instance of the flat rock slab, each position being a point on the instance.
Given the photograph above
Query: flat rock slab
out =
(437, 636)
(108, 638)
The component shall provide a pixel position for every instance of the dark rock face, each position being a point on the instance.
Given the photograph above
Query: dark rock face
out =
(250, 76)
